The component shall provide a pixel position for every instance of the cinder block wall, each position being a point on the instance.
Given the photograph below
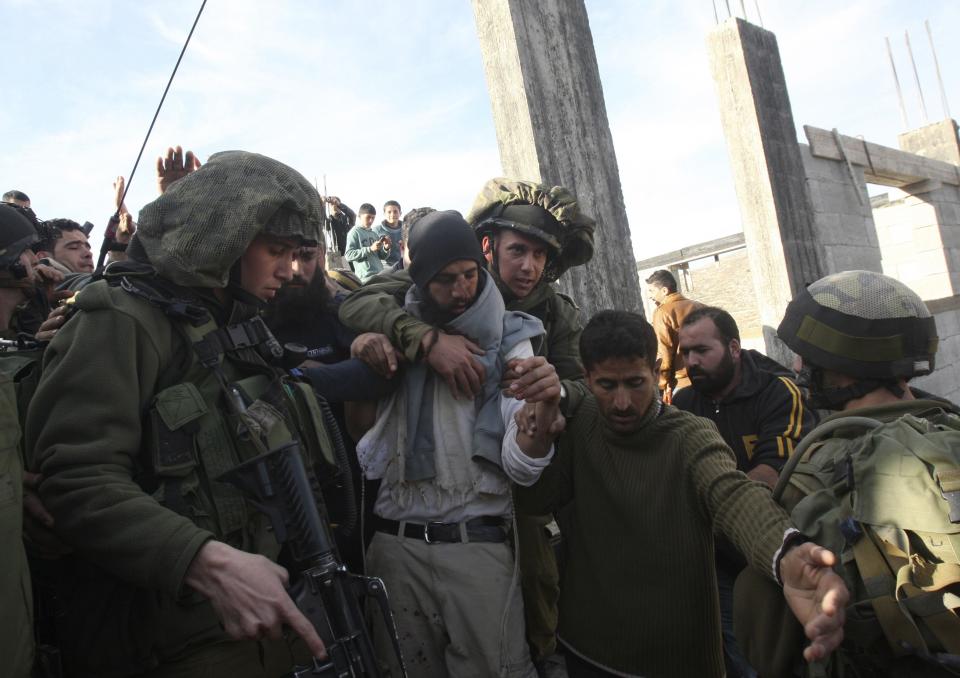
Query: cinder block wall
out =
(841, 212)
(945, 381)
(919, 235)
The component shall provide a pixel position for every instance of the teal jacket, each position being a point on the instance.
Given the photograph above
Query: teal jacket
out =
(366, 263)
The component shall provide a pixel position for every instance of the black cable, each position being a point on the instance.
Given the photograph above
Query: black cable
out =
(105, 247)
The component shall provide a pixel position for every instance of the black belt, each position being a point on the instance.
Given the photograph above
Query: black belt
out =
(480, 529)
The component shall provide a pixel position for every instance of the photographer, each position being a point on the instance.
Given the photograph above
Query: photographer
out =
(367, 249)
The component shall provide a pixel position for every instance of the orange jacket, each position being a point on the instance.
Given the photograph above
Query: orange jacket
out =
(666, 323)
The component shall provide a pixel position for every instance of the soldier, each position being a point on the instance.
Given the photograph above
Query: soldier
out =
(891, 513)
(173, 573)
(530, 234)
(17, 263)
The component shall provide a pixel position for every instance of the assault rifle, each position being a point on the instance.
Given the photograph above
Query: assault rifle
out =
(23, 342)
(322, 588)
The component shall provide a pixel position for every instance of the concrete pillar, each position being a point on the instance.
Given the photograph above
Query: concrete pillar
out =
(552, 127)
(768, 171)
(938, 141)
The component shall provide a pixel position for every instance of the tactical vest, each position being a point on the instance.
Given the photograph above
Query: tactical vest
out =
(195, 433)
(219, 403)
(885, 497)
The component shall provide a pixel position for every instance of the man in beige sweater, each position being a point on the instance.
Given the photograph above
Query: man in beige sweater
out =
(646, 485)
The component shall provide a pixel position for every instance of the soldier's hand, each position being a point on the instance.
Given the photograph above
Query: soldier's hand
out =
(816, 595)
(49, 327)
(376, 351)
(454, 359)
(174, 166)
(48, 276)
(535, 417)
(535, 380)
(249, 596)
(38, 532)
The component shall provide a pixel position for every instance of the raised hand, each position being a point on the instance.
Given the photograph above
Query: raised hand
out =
(175, 165)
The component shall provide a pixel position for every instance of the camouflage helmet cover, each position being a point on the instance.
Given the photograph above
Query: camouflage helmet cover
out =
(862, 324)
(203, 223)
(567, 231)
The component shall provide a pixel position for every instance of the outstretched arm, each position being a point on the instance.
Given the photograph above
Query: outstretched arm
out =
(816, 595)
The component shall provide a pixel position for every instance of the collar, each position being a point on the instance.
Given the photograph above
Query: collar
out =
(629, 439)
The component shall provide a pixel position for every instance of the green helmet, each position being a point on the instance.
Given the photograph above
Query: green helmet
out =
(862, 324)
(16, 235)
(550, 214)
(196, 231)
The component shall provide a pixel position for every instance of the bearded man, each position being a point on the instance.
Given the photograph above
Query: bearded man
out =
(760, 414)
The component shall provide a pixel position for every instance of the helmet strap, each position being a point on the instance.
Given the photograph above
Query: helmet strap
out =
(824, 398)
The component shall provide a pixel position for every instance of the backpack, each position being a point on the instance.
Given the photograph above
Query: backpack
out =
(885, 497)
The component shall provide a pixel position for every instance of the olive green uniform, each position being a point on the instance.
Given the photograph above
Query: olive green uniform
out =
(16, 622)
(377, 307)
(131, 431)
(771, 637)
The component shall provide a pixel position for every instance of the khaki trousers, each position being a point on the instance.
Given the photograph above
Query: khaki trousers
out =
(540, 584)
(449, 602)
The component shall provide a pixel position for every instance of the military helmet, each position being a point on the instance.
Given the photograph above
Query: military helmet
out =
(199, 228)
(550, 214)
(861, 324)
(16, 235)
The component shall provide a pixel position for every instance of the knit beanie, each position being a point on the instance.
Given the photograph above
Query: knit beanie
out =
(439, 239)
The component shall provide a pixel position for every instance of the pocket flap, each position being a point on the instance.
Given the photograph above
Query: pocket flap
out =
(179, 405)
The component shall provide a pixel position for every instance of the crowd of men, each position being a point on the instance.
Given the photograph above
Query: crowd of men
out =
(453, 412)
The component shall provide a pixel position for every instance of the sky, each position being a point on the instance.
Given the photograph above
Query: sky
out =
(387, 100)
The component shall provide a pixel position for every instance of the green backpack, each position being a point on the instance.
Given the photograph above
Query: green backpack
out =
(885, 497)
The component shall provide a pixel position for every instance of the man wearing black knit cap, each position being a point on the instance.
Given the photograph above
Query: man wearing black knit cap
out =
(444, 504)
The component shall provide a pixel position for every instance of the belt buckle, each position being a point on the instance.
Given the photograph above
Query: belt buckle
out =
(426, 531)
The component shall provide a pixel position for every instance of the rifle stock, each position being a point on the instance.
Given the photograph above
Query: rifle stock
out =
(325, 592)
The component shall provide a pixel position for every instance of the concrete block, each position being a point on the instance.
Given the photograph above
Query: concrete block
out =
(948, 327)
(838, 197)
(948, 213)
(926, 238)
(931, 286)
(851, 258)
(950, 235)
(892, 235)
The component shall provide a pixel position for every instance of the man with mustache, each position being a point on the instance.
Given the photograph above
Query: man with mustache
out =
(645, 487)
(760, 414)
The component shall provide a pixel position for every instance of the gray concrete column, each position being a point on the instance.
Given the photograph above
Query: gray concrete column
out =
(552, 127)
(768, 172)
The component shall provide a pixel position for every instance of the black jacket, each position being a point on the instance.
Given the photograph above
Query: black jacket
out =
(762, 419)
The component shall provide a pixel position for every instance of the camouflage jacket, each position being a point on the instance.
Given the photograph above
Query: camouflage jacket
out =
(378, 307)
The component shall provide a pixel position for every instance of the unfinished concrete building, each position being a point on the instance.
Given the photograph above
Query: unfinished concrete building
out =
(807, 213)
